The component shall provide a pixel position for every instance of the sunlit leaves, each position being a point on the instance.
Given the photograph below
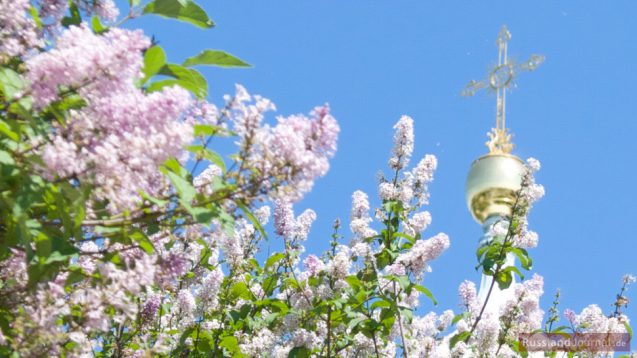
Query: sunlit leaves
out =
(11, 83)
(154, 60)
(215, 58)
(187, 78)
(184, 10)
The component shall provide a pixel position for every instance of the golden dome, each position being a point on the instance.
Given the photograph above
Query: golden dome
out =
(492, 184)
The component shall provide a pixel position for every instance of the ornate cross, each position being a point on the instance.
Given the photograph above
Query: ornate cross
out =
(499, 79)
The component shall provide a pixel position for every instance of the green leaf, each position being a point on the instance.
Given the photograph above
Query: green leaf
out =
(143, 241)
(36, 16)
(504, 279)
(514, 269)
(183, 10)
(215, 58)
(522, 254)
(250, 216)
(174, 165)
(186, 78)
(184, 188)
(76, 275)
(6, 129)
(152, 199)
(75, 18)
(10, 82)
(211, 156)
(628, 329)
(458, 338)
(273, 260)
(230, 343)
(154, 60)
(6, 158)
(299, 352)
(458, 317)
(426, 292)
(98, 27)
(240, 290)
(356, 321)
(381, 304)
(205, 129)
(202, 215)
(354, 282)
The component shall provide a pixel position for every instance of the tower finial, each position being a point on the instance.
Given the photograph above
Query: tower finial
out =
(499, 79)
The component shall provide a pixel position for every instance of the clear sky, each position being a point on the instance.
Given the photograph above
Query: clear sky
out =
(376, 60)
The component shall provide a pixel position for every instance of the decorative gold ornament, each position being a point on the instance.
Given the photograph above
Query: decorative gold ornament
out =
(499, 79)
(500, 141)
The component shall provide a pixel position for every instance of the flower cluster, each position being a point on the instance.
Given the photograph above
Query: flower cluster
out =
(18, 32)
(285, 158)
(121, 135)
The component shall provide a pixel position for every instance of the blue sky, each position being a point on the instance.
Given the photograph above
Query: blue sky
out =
(376, 60)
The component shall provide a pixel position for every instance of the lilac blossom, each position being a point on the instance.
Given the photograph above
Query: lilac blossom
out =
(403, 143)
(416, 260)
(18, 32)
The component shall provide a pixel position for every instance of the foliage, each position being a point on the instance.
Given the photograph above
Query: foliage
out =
(123, 233)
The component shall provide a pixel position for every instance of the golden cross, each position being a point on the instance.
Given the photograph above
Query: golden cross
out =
(499, 79)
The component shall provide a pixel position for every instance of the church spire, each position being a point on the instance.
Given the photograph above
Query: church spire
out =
(495, 179)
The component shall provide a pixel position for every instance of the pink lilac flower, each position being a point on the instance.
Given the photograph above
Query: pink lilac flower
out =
(418, 179)
(303, 338)
(522, 310)
(185, 302)
(499, 228)
(313, 265)
(95, 64)
(122, 135)
(150, 308)
(417, 258)
(289, 155)
(106, 9)
(533, 192)
(287, 226)
(203, 182)
(173, 265)
(387, 191)
(340, 265)
(418, 223)
(396, 269)
(262, 214)
(284, 219)
(360, 219)
(123, 138)
(303, 224)
(468, 293)
(570, 316)
(533, 164)
(18, 32)
(526, 240)
(210, 286)
(203, 112)
(361, 249)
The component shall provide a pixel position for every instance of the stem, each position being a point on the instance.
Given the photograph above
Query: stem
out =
(500, 265)
(373, 334)
(400, 324)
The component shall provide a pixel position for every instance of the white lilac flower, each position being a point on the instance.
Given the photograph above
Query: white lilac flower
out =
(403, 143)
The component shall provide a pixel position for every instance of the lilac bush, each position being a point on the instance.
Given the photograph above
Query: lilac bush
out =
(125, 234)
